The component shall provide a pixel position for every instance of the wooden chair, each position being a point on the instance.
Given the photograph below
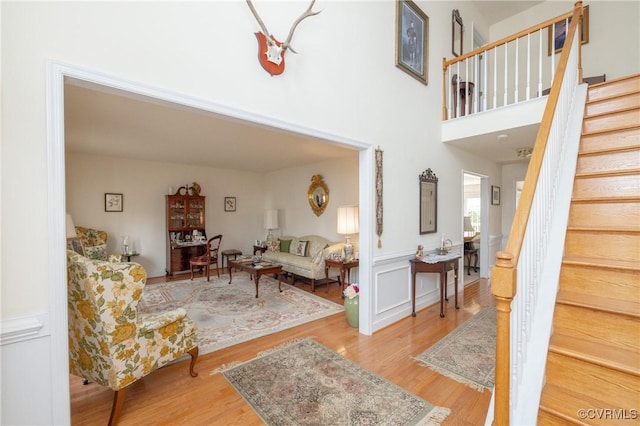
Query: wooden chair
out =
(209, 258)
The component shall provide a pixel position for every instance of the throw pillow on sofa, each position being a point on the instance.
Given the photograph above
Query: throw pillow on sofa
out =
(300, 248)
(273, 246)
(284, 245)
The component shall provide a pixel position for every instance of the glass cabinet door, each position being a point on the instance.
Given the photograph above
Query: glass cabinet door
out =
(195, 215)
(177, 213)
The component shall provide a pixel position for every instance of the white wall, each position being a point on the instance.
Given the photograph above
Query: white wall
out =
(343, 81)
(286, 190)
(145, 183)
(511, 173)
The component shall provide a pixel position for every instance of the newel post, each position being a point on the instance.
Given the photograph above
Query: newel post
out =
(503, 287)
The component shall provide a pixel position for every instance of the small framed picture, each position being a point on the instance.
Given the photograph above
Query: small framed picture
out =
(229, 204)
(75, 244)
(113, 202)
(495, 195)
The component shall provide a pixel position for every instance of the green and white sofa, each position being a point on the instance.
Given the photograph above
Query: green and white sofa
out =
(303, 256)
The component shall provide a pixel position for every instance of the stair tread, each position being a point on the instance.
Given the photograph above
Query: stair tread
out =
(611, 356)
(609, 304)
(633, 228)
(557, 399)
(585, 382)
(612, 172)
(601, 262)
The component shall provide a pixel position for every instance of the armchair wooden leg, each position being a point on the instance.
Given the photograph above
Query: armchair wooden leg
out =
(118, 400)
(194, 357)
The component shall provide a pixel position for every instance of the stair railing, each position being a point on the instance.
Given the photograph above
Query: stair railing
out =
(531, 259)
(511, 70)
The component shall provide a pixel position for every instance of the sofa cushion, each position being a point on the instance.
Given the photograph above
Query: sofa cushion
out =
(299, 248)
(97, 252)
(273, 246)
(284, 245)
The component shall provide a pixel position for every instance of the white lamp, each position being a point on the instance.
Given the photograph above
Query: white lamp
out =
(348, 224)
(468, 228)
(70, 227)
(270, 222)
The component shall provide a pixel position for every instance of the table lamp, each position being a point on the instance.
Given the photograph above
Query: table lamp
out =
(468, 228)
(348, 224)
(270, 222)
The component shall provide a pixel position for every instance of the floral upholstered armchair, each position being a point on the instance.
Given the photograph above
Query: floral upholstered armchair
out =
(94, 242)
(110, 342)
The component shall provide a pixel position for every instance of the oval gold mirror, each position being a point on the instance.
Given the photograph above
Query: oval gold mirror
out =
(318, 195)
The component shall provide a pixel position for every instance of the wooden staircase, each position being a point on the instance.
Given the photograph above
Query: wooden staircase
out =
(593, 362)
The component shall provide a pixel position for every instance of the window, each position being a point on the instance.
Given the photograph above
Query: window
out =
(472, 209)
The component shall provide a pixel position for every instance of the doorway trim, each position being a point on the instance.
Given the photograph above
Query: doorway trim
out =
(56, 73)
(484, 220)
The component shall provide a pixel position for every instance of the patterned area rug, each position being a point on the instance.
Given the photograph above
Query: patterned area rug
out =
(306, 383)
(468, 353)
(228, 314)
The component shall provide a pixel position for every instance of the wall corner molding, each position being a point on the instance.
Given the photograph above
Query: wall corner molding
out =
(16, 330)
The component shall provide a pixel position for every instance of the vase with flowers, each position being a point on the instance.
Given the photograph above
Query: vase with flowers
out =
(351, 304)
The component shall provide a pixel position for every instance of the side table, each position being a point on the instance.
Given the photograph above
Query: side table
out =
(260, 249)
(344, 267)
(128, 256)
(439, 268)
(228, 253)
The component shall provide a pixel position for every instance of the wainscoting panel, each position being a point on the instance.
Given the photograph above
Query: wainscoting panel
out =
(26, 342)
(392, 289)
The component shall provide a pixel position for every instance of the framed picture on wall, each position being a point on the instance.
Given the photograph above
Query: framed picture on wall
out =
(113, 202)
(412, 40)
(75, 244)
(559, 29)
(495, 195)
(229, 204)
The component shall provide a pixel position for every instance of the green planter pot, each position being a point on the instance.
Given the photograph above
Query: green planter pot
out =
(351, 309)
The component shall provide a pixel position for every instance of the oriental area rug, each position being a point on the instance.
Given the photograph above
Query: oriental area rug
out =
(305, 383)
(227, 314)
(468, 353)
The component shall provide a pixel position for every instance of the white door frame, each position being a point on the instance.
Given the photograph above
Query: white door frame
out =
(57, 72)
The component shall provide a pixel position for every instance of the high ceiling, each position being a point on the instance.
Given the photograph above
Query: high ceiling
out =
(106, 121)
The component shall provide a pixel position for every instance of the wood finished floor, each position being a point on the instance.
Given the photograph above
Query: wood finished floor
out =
(169, 396)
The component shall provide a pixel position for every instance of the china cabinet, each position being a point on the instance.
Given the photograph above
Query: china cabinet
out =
(186, 236)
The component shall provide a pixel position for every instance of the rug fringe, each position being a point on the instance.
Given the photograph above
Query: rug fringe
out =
(234, 364)
(435, 417)
(283, 345)
(225, 367)
(473, 385)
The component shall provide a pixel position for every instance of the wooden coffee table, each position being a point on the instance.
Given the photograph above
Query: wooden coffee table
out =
(257, 270)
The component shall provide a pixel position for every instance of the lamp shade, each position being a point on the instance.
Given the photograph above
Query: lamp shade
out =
(270, 219)
(467, 224)
(348, 221)
(70, 227)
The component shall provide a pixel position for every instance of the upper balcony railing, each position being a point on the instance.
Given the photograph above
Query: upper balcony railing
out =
(506, 72)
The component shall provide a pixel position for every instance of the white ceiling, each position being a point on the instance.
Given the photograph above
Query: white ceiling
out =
(106, 121)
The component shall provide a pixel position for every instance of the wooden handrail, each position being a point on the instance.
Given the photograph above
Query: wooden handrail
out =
(504, 273)
(533, 29)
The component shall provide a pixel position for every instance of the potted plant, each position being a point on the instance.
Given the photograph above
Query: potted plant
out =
(351, 302)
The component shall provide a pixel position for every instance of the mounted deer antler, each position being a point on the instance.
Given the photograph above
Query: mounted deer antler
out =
(273, 50)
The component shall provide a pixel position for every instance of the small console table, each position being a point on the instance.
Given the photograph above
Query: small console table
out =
(440, 267)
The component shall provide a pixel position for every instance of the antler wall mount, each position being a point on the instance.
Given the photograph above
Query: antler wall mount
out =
(271, 51)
